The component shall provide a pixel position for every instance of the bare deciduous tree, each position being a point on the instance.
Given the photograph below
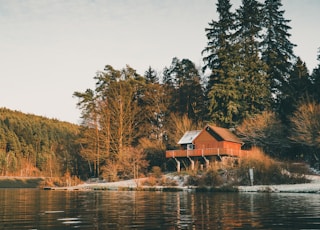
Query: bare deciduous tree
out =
(264, 130)
(306, 125)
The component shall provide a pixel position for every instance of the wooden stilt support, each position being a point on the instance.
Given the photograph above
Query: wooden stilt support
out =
(206, 160)
(178, 164)
(192, 163)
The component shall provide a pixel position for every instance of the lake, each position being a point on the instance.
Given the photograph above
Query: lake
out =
(40, 209)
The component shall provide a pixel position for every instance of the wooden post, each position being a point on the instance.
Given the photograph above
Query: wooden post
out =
(178, 164)
(192, 163)
(206, 160)
(251, 175)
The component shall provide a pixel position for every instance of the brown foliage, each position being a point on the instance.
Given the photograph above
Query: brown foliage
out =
(129, 164)
(179, 125)
(266, 170)
(306, 125)
(264, 130)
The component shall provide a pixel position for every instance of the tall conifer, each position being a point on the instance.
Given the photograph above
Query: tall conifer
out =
(221, 61)
(183, 82)
(295, 90)
(277, 50)
(315, 77)
(253, 78)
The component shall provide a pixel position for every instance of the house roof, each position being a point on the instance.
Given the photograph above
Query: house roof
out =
(188, 137)
(224, 134)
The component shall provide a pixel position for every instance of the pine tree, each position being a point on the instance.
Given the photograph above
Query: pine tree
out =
(184, 84)
(296, 89)
(253, 79)
(222, 61)
(315, 78)
(151, 76)
(277, 50)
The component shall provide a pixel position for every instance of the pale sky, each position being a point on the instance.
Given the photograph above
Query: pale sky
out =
(52, 48)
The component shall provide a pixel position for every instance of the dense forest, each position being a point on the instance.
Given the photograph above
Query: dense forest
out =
(251, 82)
(32, 145)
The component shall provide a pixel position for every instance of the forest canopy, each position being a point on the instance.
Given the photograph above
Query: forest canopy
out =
(32, 145)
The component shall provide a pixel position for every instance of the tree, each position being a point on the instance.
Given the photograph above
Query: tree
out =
(223, 61)
(90, 150)
(239, 84)
(183, 82)
(154, 151)
(177, 126)
(305, 123)
(297, 88)
(151, 76)
(154, 103)
(315, 78)
(219, 39)
(254, 82)
(36, 146)
(266, 131)
(124, 115)
(277, 50)
(121, 112)
(133, 163)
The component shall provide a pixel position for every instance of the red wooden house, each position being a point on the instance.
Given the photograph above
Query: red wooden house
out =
(209, 142)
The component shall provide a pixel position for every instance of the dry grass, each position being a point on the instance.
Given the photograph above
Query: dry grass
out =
(257, 155)
(38, 182)
(266, 170)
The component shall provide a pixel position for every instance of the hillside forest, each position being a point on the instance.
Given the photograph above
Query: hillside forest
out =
(251, 82)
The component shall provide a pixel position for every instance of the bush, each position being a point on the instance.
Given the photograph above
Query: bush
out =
(209, 178)
(266, 171)
(160, 181)
(156, 171)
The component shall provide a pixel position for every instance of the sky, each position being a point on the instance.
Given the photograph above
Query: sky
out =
(51, 48)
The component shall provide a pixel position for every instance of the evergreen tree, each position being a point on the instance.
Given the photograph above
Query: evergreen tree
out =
(151, 76)
(277, 50)
(222, 60)
(254, 83)
(183, 82)
(315, 77)
(297, 88)
(154, 104)
(36, 146)
(219, 43)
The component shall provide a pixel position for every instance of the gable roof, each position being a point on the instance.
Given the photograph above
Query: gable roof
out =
(188, 137)
(223, 134)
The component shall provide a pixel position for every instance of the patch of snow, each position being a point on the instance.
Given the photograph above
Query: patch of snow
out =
(312, 187)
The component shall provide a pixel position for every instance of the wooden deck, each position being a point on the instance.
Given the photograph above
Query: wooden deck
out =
(205, 152)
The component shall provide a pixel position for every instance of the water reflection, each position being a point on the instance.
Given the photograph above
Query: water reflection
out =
(37, 209)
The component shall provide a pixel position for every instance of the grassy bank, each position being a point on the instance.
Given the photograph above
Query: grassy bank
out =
(20, 182)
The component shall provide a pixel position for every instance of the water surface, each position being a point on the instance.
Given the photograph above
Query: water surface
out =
(39, 209)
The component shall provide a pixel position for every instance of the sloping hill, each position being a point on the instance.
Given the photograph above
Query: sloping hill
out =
(32, 145)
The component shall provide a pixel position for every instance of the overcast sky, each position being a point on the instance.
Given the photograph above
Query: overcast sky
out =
(52, 48)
